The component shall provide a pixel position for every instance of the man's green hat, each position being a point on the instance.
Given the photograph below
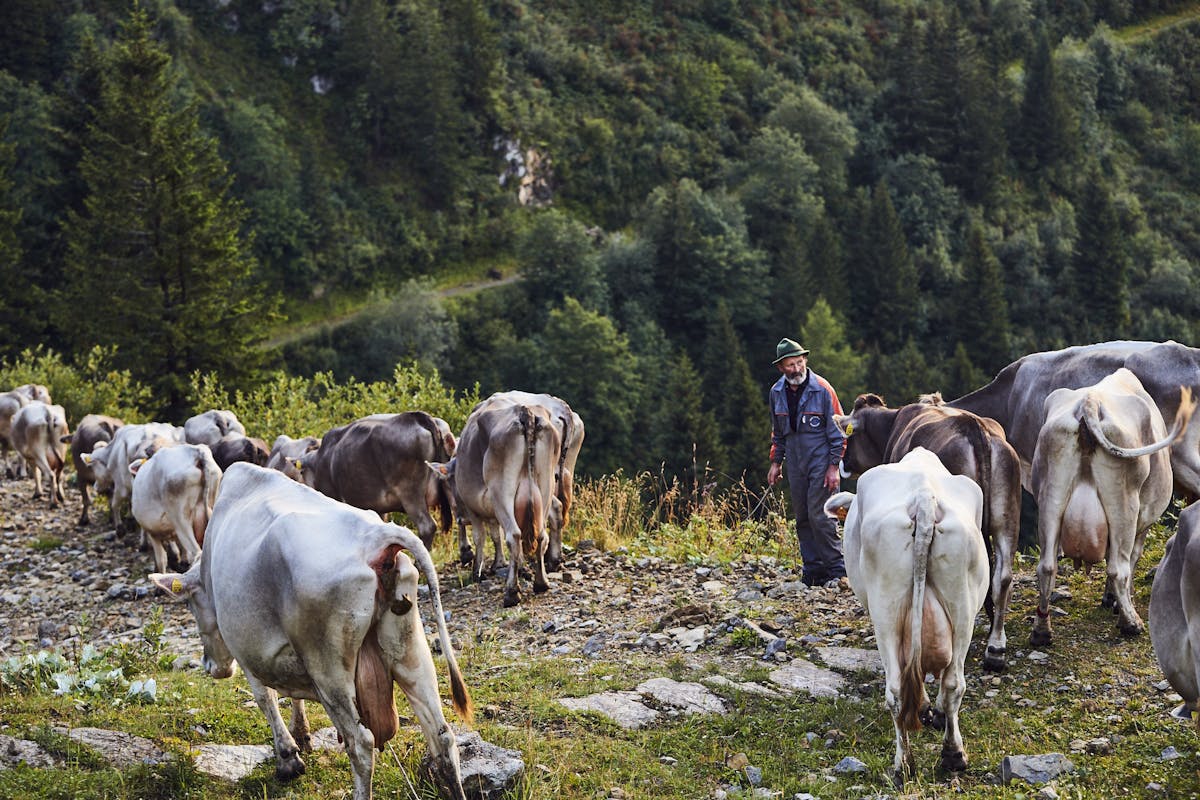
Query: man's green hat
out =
(788, 348)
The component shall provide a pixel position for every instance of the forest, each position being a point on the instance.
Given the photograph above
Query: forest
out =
(919, 192)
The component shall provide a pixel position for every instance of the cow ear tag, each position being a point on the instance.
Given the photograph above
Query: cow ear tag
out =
(849, 428)
(177, 586)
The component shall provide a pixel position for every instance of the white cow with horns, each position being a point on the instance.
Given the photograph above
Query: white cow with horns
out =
(317, 601)
(916, 560)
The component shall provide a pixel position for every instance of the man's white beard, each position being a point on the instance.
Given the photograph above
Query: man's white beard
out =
(796, 381)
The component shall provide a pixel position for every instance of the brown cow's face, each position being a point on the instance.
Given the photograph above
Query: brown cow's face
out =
(864, 448)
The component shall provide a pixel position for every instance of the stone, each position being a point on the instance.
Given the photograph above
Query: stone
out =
(1035, 769)
(690, 698)
(849, 766)
(118, 748)
(750, 687)
(594, 644)
(1170, 754)
(624, 708)
(15, 751)
(230, 762)
(804, 676)
(851, 658)
(488, 771)
(689, 639)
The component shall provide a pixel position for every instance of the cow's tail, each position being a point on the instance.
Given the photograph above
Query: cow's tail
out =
(530, 503)
(459, 695)
(912, 674)
(1091, 419)
(561, 481)
(52, 456)
(203, 510)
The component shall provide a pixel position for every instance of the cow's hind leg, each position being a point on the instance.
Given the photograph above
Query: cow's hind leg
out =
(954, 756)
(338, 699)
(540, 584)
(288, 764)
(512, 589)
(299, 727)
(1004, 537)
(1047, 570)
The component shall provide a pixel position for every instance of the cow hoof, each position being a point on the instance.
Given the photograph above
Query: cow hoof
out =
(1129, 630)
(1109, 601)
(953, 761)
(289, 768)
(552, 564)
(994, 660)
(933, 718)
(898, 778)
(539, 588)
(1040, 638)
(466, 555)
(511, 599)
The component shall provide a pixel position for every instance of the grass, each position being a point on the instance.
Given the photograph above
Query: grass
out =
(1095, 684)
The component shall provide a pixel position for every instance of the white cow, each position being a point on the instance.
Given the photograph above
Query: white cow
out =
(1101, 476)
(211, 427)
(1175, 611)
(10, 403)
(317, 601)
(916, 560)
(173, 496)
(110, 462)
(37, 432)
(285, 451)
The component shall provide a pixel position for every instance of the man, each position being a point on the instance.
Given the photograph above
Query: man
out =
(803, 434)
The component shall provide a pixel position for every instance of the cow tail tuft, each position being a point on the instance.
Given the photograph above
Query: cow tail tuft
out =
(912, 678)
(424, 562)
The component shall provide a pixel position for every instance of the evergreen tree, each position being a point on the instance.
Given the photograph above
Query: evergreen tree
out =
(985, 330)
(1045, 134)
(558, 258)
(156, 264)
(887, 303)
(15, 317)
(582, 358)
(735, 401)
(902, 376)
(961, 375)
(1100, 268)
(827, 264)
(688, 441)
(832, 355)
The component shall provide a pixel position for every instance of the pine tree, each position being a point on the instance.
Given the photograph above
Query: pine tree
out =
(156, 264)
(15, 318)
(689, 441)
(961, 375)
(832, 357)
(1044, 137)
(886, 305)
(985, 330)
(1100, 269)
(736, 402)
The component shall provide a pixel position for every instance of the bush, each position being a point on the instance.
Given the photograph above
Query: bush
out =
(91, 386)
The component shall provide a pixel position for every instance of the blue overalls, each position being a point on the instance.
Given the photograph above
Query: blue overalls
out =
(807, 452)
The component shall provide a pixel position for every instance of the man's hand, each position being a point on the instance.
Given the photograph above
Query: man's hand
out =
(832, 479)
(774, 472)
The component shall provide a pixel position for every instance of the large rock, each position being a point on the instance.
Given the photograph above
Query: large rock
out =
(15, 751)
(116, 747)
(624, 708)
(488, 771)
(804, 676)
(1035, 769)
(851, 658)
(690, 698)
(230, 762)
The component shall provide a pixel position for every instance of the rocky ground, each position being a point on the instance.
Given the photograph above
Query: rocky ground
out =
(63, 586)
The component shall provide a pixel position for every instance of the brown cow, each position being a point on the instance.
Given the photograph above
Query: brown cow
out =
(968, 445)
(378, 463)
(91, 431)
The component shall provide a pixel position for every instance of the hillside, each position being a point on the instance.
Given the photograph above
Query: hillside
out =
(925, 191)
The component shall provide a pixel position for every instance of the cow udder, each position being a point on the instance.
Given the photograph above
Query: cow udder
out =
(1084, 535)
(373, 692)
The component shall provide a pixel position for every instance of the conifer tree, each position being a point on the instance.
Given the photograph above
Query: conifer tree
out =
(737, 403)
(961, 375)
(14, 317)
(832, 356)
(1044, 137)
(827, 263)
(689, 441)
(1100, 267)
(886, 305)
(156, 264)
(985, 330)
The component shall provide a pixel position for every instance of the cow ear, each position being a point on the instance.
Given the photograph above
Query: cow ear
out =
(66, 439)
(87, 458)
(298, 464)
(135, 465)
(843, 424)
(450, 444)
(177, 585)
(439, 469)
(838, 505)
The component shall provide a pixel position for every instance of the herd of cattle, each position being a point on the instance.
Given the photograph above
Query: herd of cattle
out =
(295, 575)
(291, 569)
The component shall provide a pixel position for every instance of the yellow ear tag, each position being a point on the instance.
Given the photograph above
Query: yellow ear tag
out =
(849, 428)
(177, 586)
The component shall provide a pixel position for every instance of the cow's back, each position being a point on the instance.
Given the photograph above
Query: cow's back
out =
(91, 431)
